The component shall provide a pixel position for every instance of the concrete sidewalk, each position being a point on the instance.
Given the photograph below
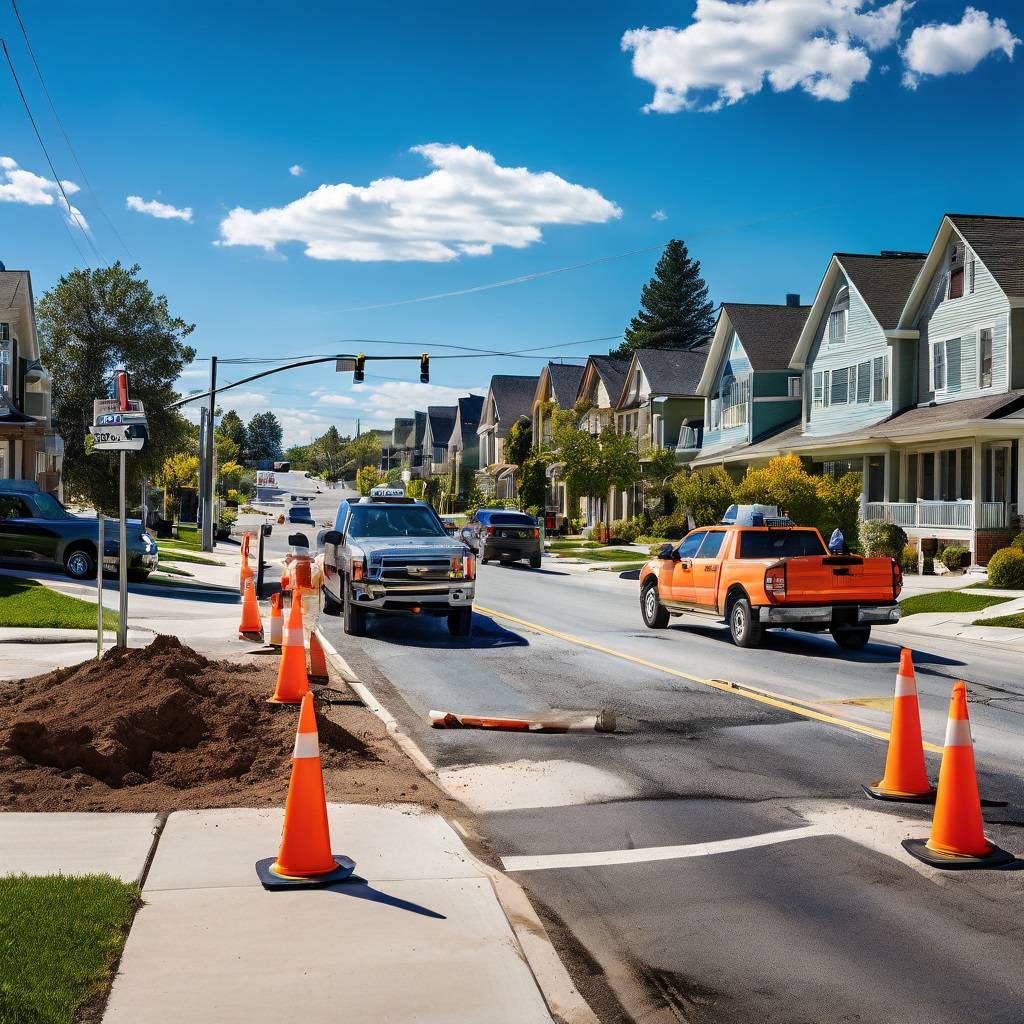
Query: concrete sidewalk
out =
(418, 934)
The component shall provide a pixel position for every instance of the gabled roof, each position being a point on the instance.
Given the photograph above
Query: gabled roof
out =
(16, 295)
(513, 397)
(442, 420)
(669, 372)
(420, 428)
(768, 333)
(612, 370)
(565, 382)
(468, 418)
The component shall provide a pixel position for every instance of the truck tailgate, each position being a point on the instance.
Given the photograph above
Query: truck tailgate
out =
(838, 579)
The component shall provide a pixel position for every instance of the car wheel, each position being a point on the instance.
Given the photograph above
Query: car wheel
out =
(654, 612)
(80, 564)
(534, 561)
(460, 622)
(745, 631)
(354, 621)
(332, 606)
(852, 639)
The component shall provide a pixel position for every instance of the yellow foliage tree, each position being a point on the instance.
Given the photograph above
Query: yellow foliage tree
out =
(178, 471)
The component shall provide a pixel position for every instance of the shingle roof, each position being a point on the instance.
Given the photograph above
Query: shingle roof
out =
(420, 428)
(883, 281)
(565, 382)
(442, 420)
(768, 333)
(470, 410)
(672, 371)
(12, 283)
(513, 397)
(612, 370)
(999, 243)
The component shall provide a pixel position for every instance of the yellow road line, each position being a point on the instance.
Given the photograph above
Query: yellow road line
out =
(780, 701)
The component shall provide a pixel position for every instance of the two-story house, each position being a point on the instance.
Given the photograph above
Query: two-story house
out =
(438, 432)
(750, 391)
(600, 388)
(29, 447)
(464, 443)
(509, 398)
(558, 383)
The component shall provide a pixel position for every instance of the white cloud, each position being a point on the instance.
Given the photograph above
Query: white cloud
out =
(659, 215)
(381, 403)
(466, 205)
(20, 186)
(162, 211)
(296, 169)
(943, 49)
(731, 48)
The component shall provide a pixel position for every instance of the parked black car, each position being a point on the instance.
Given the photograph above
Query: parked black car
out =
(300, 514)
(36, 530)
(505, 534)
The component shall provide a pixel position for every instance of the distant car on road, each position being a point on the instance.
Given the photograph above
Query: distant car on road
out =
(300, 514)
(760, 572)
(37, 531)
(505, 534)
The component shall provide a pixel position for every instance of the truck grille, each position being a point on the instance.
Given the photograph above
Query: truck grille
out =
(411, 570)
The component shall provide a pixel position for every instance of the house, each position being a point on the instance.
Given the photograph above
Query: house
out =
(509, 398)
(750, 391)
(437, 434)
(558, 383)
(464, 443)
(600, 388)
(419, 431)
(30, 449)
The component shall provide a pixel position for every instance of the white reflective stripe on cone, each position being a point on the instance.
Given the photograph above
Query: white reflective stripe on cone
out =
(306, 745)
(294, 638)
(905, 686)
(958, 732)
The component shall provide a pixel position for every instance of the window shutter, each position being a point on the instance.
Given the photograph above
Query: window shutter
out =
(840, 386)
(864, 382)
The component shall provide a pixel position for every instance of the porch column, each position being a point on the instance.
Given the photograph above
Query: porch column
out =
(864, 484)
(977, 477)
(886, 457)
(1020, 476)
(19, 454)
(904, 456)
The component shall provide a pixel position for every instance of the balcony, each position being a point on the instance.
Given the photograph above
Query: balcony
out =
(952, 515)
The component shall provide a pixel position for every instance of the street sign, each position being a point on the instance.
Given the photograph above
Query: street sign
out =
(124, 437)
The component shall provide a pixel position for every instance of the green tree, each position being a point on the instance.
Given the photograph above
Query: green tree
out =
(518, 441)
(330, 454)
(675, 311)
(532, 481)
(300, 457)
(705, 494)
(361, 451)
(367, 478)
(91, 323)
(416, 489)
(263, 438)
(783, 482)
(178, 471)
(231, 429)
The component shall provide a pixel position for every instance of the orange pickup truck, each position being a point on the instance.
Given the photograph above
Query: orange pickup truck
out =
(770, 577)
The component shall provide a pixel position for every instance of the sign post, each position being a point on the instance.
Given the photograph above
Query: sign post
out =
(99, 587)
(122, 560)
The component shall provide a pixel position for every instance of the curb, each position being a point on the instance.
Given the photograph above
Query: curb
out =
(563, 999)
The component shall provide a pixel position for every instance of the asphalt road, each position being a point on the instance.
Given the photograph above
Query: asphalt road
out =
(830, 923)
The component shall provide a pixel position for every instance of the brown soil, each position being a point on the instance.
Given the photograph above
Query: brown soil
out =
(162, 728)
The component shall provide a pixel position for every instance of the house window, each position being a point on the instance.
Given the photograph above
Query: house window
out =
(821, 382)
(880, 379)
(985, 357)
(5, 365)
(938, 366)
(840, 391)
(795, 387)
(955, 289)
(838, 317)
(5, 332)
(864, 382)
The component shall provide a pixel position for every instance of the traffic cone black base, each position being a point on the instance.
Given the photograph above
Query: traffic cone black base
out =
(995, 858)
(910, 798)
(271, 880)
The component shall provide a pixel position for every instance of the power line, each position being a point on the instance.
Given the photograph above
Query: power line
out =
(63, 131)
(56, 177)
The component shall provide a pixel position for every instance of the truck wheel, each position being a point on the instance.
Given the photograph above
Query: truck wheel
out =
(331, 605)
(855, 639)
(80, 564)
(745, 631)
(460, 622)
(654, 612)
(534, 561)
(354, 621)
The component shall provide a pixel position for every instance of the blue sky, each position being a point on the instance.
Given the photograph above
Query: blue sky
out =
(834, 125)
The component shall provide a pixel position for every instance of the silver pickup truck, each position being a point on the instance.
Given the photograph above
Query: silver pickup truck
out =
(389, 553)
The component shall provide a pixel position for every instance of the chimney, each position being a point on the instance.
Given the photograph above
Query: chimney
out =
(792, 299)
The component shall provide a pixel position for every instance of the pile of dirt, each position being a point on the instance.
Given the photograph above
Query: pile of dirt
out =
(162, 728)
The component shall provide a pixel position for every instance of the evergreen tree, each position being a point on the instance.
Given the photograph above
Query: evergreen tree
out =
(263, 438)
(675, 311)
(232, 429)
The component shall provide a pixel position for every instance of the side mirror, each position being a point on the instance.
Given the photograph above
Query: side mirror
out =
(667, 551)
(330, 537)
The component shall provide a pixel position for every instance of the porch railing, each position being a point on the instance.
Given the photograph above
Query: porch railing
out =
(956, 515)
(993, 514)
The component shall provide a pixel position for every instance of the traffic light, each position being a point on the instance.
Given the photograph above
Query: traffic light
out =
(358, 374)
(424, 369)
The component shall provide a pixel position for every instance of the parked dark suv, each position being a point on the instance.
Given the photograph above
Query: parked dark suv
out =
(37, 531)
(505, 534)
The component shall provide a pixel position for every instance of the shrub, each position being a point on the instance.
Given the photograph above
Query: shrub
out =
(623, 530)
(1006, 569)
(669, 527)
(928, 565)
(886, 540)
(908, 562)
(707, 493)
(955, 557)
(1018, 542)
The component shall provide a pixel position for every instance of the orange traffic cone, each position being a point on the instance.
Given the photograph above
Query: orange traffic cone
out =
(317, 661)
(245, 573)
(276, 621)
(958, 839)
(906, 778)
(251, 626)
(305, 857)
(292, 681)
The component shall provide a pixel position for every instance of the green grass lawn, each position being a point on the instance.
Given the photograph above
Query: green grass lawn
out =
(168, 554)
(188, 537)
(598, 554)
(28, 603)
(60, 936)
(949, 601)
(565, 545)
(1010, 621)
(986, 586)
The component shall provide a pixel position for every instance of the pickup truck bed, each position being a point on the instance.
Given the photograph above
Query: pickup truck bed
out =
(760, 577)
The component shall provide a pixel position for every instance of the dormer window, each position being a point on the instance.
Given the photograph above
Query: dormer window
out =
(838, 317)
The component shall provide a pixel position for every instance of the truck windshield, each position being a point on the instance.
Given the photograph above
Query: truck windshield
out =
(394, 521)
(48, 507)
(780, 544)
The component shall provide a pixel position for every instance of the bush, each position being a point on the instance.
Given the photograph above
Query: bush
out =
(908, 562)
(1006, 569)
(878, 539)
(669, 527)
(928, 565)
(1018, 542)
(622, 531)
(955, 557)
(707, 493)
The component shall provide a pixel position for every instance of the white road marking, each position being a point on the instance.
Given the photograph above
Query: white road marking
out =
(604, 858)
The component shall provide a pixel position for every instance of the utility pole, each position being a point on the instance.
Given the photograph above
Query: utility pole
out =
(208, 525)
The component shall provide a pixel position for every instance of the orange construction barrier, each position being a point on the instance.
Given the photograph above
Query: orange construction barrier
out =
(317, 661)
(305, 857)
(276, 621)
(958, 838)
(292, 681)
(905, 778)
(251, 626)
